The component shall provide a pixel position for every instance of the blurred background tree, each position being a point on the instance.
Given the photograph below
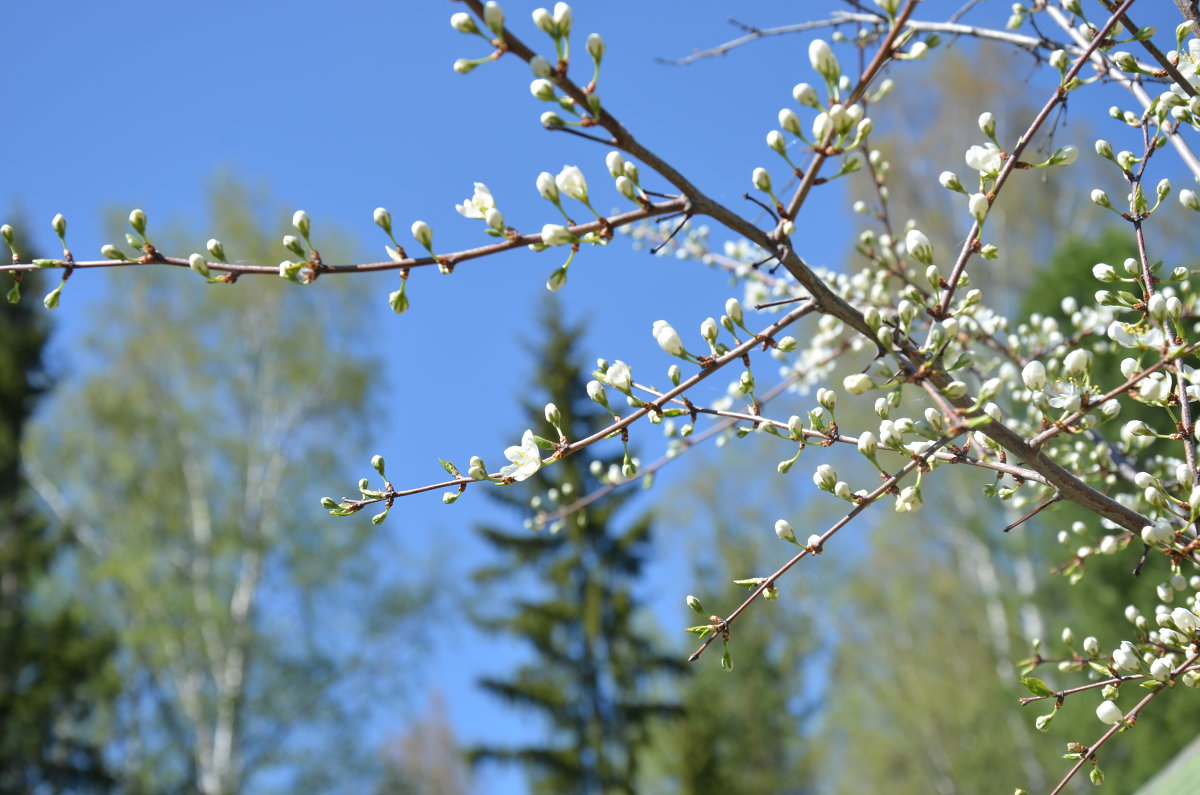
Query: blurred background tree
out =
(599, 667)
(189, 454)
(55, 659)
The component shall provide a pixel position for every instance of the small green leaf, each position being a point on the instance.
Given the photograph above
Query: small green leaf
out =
(46, 263)
(1096, 775)
(727, 659)
(1037, 686)
(1043, 721)
(14, 293)
(379, 517)
(446, 465)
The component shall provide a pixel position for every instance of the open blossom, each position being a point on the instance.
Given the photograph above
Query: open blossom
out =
(619, 376)
(526, 459)
(478, 205)
(571, 182)
(984, 158)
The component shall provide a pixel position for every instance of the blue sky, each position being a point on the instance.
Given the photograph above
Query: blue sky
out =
(342, 107)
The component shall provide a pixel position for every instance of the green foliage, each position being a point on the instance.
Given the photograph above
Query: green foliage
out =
(596, 662)
(192, 449)
(743, 731)
(54, 661)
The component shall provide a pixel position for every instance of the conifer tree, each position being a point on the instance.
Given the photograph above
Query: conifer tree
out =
(595, 658)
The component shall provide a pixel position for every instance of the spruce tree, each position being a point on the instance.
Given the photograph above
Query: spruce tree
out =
(595, 661)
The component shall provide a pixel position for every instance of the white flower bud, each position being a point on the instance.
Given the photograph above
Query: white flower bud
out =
(463, 65)
(596, 392)
(805, 95)
(547, 187)
(1034, 376)
(299, 220)
(823, 60)
(789, 121)
(1109, 713)
(383, 219)
(867, 444)
(785, 531)
(196, 262)
(137, 219)
(1077, 361)
(1160, 669)
(556, 235)
(493, 16)
(1101, 198)
(761, 180)
(950, 181)
(543, 20)
(463, 23)
(421, 232)
(1189, 200)
(987, 124)
(667, 338)
(733, 308)
(542, 89)
(1159, 533)
(776, 142)
(858, 383)
(595, 46)
(562, 18)
(825, 477)
(918, 245)
(626, 188)
(978, 206)
(1104, 149)
(615, 162)
(540, 66)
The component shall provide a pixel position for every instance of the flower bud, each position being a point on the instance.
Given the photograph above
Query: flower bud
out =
(823, 60)
(950, 181)
(667, 338)
(542, 89)
(383, 219)
(196, 262)
(421, 232)
(789, 121)
(462, 66)
(1159, 533)
(987, 124)
(785, 531)
(978, 206)
(626, 188)
(805, 95)
(300, 221)
(1189, 200)
(137, 219)
(463, 23)
(215, 249)
(543, 20)
(825, 477)
(553, 415)
(596, 392)
(1101, 198)
(1104, 149)
(556, 235)
(868, 444)
(1064, 156)
(615, 162)
(1077, 362)
(1034, 376)
(562, 19)
(112, 252)
(595, 46)
(694, 604)
(59, 224)
(493, 16)
(1109, 713)
(540, 66)
(761, 180)
(858, 383)
(918, 245)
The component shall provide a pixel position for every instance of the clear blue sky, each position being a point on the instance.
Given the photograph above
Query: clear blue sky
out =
(342, 107)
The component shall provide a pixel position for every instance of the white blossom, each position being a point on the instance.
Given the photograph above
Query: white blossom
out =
(526, 459)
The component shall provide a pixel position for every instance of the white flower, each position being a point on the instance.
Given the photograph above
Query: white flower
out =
(1135, 336)
(526, 459)
(478, 205)
(909, 500)
(978, 206)
(918, 245)
(546, 186)
(1065, 395)
(984, 158)
(858, 383)
(1154, 390)
(571, 182)
(1126, 657)
(556, 235)
(422, 233)
(1034, 376)
(463, 23)
(1109, 713)
(823, 60)
(667, 338)
(619, 376)
(1077, 361)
